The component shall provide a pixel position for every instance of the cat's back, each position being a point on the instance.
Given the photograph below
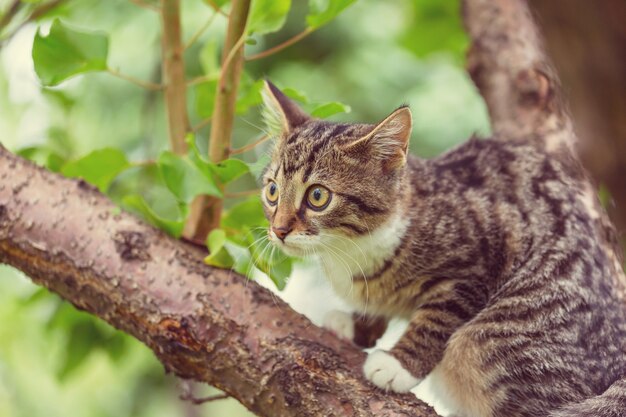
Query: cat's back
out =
(557, 305)
(540, 198)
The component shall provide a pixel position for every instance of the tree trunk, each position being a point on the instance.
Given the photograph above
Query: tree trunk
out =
(587, 41)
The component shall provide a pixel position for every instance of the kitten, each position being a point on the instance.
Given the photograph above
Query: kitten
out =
(496, 253)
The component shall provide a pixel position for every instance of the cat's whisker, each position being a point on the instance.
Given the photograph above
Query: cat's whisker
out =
(271, 263)
(265, 240)
(352, 276)
(345, 264)
(265, 131)
(337, 236)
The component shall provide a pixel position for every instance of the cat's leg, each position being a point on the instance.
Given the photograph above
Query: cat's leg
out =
(361, 329)
(422, 345)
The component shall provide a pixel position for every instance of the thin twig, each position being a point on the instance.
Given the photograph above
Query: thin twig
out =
(200, 31)
(198, 401)
(216, 8)
(147, 162)
(141, 83)
(10, 13)
(239, 194)
(201, 124)
(249, 146)
(145, 5)
(225, 64)
(201, 79)
(281, 46)
(186, 394)
(230, 56)
(38, 12)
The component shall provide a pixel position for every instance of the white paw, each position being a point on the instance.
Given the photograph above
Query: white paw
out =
(340, 323)
(386, 372)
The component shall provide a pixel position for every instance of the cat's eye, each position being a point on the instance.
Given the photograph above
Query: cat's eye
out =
(318, 197)
(271, 193)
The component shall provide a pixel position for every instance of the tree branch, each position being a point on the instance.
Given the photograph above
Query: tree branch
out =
(306, 32)
(510, 68)
(249, 146)
(146, 5)
(174, 75)
(202, 323)
(200, 31)
(141, 83)
(205, 211)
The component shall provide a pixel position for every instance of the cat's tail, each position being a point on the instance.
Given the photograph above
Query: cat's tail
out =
(611, 403)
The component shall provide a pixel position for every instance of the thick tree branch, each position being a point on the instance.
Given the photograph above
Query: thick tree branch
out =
(202, 323)
(508, 64)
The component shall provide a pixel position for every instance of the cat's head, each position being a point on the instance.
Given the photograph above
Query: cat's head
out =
(329, 180)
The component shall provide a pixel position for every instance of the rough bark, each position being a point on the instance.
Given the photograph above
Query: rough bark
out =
(211, 325)
(508, 65)
(202, 323)
(587, 41)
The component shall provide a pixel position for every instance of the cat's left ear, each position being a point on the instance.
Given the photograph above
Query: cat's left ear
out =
(281, 114)
(388, 141)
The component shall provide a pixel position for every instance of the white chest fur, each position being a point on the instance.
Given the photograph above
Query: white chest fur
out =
(343, 258)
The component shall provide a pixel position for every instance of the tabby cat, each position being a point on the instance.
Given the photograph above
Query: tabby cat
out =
(496, 252)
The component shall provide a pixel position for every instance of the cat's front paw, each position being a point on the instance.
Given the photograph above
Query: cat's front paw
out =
(340, 323)
(386, 372)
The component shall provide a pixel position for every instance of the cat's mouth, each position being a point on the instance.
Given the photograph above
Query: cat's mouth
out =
(291, 246)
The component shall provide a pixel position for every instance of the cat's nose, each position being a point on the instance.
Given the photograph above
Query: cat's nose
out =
(282, 231)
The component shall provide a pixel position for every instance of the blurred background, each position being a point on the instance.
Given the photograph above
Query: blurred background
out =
(55, 361)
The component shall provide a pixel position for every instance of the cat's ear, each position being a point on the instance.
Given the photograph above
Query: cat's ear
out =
(281, 114)
(388, 141)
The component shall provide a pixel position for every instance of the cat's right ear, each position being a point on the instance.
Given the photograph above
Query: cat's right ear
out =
(281, 114)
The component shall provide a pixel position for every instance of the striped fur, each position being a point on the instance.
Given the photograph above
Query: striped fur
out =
(497, 252)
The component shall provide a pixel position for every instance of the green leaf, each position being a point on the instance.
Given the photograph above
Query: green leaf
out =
(98, 168)
(83, 339)
(267, 16)
(323, 11)
(273, 263)
(229, 169)
(219, 255)
(44, 156)
(209, 59)
(249, 95)
(218, 3)
(138, 205)
(328, 109)
(66, 52)
(248, 213)
(257, 168)
(296, 94)
(205, 98)
(216, 240)
(184, 179)
(194, 153)
(279, 272)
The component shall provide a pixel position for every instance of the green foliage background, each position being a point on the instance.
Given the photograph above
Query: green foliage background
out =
(373, 57)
